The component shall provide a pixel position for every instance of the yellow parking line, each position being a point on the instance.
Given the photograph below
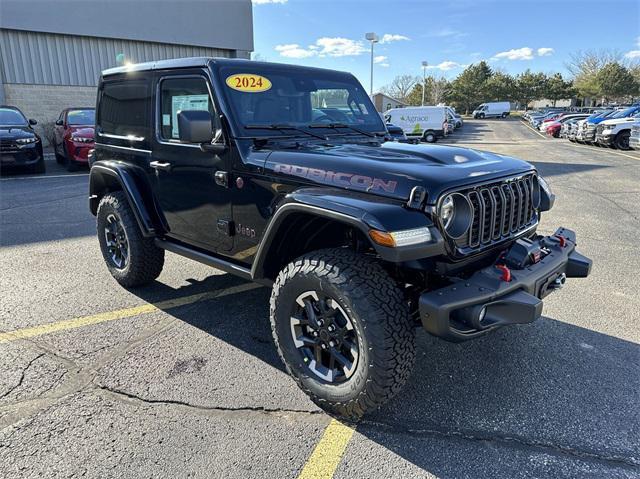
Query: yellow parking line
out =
(326, 456)
(119, 314)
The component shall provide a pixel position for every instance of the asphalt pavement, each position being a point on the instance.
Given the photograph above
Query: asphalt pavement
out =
(181, 379)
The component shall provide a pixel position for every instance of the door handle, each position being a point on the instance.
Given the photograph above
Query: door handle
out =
(160, 165)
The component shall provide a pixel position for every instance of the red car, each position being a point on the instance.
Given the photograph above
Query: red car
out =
(553, 129)
(74, 137)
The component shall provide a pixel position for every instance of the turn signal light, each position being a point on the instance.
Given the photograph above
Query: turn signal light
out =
(401, 238)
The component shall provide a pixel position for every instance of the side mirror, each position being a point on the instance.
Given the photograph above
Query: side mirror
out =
(59, 122)
(32, 122)
(195, 126)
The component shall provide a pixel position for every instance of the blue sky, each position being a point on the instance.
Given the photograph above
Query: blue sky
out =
(511, 35)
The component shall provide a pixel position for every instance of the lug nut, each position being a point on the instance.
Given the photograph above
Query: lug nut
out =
(323, 346)
(332, 343)
(315, 334)
(331, 328)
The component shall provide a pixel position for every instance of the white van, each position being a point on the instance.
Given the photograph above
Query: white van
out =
(420, 122)
(498, 109)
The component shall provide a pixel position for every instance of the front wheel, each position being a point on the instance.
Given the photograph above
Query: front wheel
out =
(343, 330)
(481, 116)
(132, 259)
(504, 115)
(622, 140)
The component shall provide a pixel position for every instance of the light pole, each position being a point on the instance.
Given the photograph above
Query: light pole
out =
(373, 38)
(424, 74)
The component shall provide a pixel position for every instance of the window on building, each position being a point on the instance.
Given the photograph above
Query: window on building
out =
(124, 108)
(178, 94)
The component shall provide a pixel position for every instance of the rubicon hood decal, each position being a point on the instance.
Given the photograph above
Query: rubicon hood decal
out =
(339, 178)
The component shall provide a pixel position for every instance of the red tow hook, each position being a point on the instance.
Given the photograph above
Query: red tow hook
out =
(562, 240)
(506, 272)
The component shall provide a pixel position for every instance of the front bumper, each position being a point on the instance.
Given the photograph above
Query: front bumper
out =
(79, 152)
(634, 142)
(455, 311)
(605, 139)
(27, 155)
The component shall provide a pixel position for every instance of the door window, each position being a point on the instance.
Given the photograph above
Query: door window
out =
(124, 108)
(178, 94)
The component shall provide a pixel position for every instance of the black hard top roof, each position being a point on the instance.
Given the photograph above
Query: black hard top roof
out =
(198, 62)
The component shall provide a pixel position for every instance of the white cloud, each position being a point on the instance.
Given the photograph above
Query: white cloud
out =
(339, 47)
(262, 2)
(633, 54)
(524, 53)
(545, 51)
(385, 65)
(392, 37)
(447, 32)
(323, 47)
(446, 66)
(379, 59)
(293, 50)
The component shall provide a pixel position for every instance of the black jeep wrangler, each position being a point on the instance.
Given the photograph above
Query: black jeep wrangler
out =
(281, 175)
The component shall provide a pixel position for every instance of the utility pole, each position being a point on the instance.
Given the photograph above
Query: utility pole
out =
(424, 75)
(373, 38)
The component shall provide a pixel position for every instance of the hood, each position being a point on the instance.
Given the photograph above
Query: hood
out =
(618, 121)
(392, 169)
(82, 131)
(15, 132)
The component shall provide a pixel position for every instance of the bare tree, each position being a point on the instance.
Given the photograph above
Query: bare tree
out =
(590, 62)
(400, 87)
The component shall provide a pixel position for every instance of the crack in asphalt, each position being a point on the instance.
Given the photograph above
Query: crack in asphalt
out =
(510, 439)
(120, 395)
(22, 376)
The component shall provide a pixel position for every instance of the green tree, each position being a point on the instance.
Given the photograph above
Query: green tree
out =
(468, 89)
(556, 88)
(530, 86)
(501, 86)
(615, 82)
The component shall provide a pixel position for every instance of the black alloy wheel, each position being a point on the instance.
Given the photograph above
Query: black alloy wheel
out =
(116, 241)
(622, 140)
(324, 336)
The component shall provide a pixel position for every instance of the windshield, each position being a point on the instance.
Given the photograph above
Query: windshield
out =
(624, 113)
(279, 95)
(11, 117)
(81, 117)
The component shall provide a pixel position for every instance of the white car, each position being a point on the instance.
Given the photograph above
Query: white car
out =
(634, 139)
(616, 132)
(498, 109)
(420, 122)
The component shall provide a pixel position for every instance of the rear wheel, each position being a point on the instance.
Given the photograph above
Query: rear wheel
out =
(622, 140)
(132, 259)
(429, 137)
(342, 330)
(504, 115)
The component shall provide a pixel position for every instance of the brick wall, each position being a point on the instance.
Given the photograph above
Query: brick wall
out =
(45, 102)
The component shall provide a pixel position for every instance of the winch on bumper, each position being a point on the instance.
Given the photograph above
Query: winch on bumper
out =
(508, 292)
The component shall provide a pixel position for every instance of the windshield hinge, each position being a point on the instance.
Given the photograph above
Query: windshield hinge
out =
(416, 197)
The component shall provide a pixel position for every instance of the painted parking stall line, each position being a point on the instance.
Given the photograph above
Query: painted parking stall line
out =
(64, 325)
(326, 456)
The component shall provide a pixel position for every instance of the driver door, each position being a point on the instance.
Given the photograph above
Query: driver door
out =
(195, 202)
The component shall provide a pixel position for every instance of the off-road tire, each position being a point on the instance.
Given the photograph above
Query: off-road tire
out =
(145, 260)
(380, 316)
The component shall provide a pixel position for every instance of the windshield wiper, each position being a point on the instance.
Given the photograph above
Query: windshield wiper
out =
(336, 125)
(284, 126)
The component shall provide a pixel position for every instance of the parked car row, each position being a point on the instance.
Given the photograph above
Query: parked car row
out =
(610, 127)
(424, 123)
(21, 146)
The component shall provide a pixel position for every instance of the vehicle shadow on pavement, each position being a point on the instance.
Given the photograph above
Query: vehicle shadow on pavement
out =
(545, 390)
(524, 400)
(559, 169)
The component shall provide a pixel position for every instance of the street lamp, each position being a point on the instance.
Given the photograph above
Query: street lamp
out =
(424, 73)
(373, 38)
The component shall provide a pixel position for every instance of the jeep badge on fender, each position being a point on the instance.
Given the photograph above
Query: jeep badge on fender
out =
(361, 240)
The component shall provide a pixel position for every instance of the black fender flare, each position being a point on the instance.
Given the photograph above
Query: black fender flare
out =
(106, 176)
(361, 211)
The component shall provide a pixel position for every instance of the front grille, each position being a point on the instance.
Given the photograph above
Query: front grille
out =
(8, 145)
(500, 210)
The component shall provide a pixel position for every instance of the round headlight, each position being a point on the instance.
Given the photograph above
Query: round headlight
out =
(455, 215)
